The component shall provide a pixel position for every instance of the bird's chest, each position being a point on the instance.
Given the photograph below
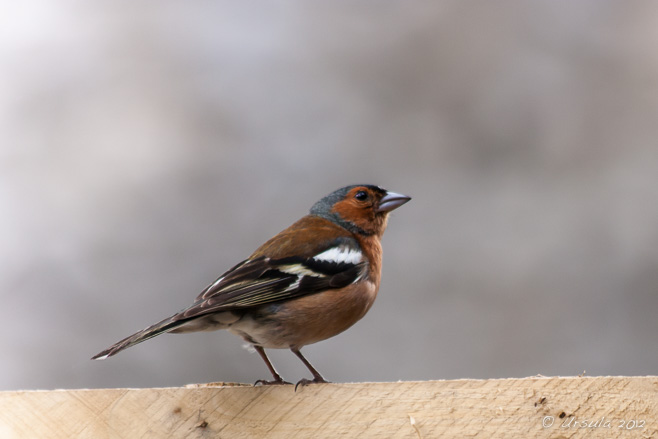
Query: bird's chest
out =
(308, 319)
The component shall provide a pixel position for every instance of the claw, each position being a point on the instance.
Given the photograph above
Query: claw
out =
(305, 382)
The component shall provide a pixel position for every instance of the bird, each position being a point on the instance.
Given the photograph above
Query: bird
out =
(306, 284)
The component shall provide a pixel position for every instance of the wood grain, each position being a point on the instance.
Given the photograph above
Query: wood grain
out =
(505, 408)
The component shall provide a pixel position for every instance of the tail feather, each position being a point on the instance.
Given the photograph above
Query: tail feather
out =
(165, 325)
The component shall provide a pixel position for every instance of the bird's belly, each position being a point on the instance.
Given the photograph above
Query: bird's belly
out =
(306, 320)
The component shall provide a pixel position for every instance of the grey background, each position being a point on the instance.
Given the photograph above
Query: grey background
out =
(146, 147)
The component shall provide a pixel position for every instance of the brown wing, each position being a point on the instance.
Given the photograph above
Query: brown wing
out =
(292, 264)
(262, 280)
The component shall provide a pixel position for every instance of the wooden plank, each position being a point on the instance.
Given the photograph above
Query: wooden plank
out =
(625, 407)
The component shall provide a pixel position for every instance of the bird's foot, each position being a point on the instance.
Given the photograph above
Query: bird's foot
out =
(305, 382)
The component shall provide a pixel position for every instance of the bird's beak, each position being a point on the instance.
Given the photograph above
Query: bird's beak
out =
(391, 201)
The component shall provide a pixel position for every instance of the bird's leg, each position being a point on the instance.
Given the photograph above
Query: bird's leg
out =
(317, 378)
(275, 374)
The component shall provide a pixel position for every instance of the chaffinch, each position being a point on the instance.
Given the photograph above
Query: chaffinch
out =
(310, 282)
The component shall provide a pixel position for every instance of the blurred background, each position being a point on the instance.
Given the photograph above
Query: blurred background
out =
(147, 147)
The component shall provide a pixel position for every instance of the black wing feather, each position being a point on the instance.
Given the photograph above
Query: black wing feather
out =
(266, 280)
(255, 282)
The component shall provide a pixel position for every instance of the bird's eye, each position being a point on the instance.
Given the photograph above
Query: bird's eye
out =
(361, 196)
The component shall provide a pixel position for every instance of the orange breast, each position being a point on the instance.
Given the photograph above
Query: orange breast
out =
(308, 319)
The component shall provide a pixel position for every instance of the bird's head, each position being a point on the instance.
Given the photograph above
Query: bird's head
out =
(359, 208)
